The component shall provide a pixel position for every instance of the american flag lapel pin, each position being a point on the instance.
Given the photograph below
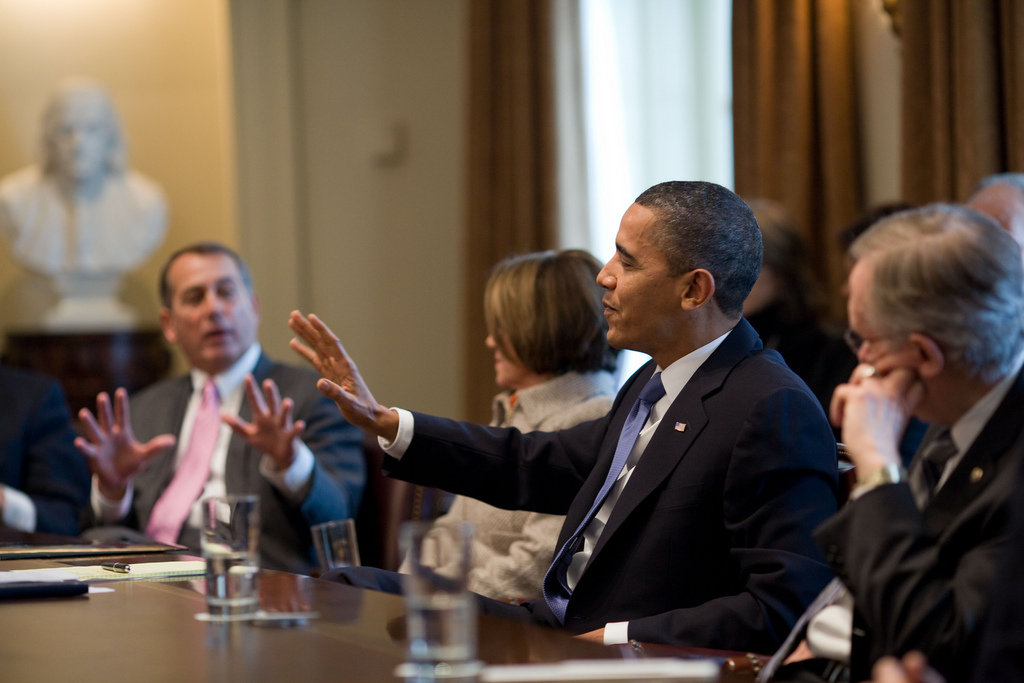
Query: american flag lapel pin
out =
(680, 426)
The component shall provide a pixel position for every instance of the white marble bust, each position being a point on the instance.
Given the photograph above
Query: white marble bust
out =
(81, 216)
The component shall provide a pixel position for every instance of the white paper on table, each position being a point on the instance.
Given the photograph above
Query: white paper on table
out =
(654, 669)
(37, 576)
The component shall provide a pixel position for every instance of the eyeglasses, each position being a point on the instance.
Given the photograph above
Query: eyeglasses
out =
(854, 339)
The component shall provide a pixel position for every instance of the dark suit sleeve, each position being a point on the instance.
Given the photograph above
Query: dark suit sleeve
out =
(339, 473)
(779, 486)
(747, 542)
(910, 592)
(506, 468)
(54, 474)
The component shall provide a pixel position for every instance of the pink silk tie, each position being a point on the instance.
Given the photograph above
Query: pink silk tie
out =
(174, 504)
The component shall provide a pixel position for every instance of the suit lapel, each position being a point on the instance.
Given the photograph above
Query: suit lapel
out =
(592, 485)
(169, 422)
(159, 471)
(982, 462)
(668, 446)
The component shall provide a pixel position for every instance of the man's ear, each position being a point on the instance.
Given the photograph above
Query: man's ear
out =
(698, 286)
(165, 324)
(928, 359)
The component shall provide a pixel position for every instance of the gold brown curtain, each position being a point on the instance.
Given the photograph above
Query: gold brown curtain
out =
(795, 117)
(963, 95)
(511, 166)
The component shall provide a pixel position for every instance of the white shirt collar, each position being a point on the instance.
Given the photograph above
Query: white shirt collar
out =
(231, 379)
(679, 373)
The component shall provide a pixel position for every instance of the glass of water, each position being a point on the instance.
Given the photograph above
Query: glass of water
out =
(335, 543)
(230, 542)
(440, 613)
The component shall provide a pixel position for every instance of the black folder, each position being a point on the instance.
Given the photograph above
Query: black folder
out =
(41, 589)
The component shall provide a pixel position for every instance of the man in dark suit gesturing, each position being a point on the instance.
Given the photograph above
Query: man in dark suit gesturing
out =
(298, 454)
(704, 536)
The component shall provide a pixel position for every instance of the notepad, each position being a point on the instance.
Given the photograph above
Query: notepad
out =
(138, 570)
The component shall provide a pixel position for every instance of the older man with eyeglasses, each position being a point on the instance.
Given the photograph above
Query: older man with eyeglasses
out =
(936, 314)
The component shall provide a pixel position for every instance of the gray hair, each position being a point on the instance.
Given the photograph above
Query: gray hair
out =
(704, 225)
(953, 274)
(1015, 180)
(80, 88)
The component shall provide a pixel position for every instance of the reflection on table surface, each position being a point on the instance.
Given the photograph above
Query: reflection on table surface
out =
(146, 631)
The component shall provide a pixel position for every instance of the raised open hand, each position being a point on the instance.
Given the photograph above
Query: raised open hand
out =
(271, 430)
(111, 449)
(342, 382)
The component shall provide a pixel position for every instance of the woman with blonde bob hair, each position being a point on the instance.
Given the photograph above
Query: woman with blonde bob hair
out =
(553, 365)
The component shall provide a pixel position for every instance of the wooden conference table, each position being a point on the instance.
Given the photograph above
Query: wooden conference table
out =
(146, 631)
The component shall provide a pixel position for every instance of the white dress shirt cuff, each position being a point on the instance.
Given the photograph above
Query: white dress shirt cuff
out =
(616, 633)
(19, 510)
(110, 511)
(295, 481)
(397, 448)
(830, 631)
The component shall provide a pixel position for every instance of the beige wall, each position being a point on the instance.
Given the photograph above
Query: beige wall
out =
(350, 136)
(166, 63)
(342, 156)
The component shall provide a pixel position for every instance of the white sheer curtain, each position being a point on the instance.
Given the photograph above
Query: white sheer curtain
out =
(657, 90)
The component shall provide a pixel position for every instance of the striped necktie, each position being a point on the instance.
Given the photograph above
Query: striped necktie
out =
(555, 587)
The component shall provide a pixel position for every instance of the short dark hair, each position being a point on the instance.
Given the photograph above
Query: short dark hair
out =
(864, 221)
(547, 307)
(203, 249)
(704, 225)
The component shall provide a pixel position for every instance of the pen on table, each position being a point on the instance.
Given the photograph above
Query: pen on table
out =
(119, 567)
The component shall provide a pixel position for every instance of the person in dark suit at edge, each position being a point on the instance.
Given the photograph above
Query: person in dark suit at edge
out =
(704, 537)
(43, 481)
(937, 311)
(297, 453)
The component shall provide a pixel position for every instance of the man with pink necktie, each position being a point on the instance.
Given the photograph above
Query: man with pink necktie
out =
(190, 437)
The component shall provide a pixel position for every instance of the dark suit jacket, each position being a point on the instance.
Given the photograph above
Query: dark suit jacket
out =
(338, 477)
(37, 451)
(710, 542)
(1001, 649)
(920, 579)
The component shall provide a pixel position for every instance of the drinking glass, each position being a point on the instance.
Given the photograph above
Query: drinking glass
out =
(230, 541)
(336, 544)
(440, 612)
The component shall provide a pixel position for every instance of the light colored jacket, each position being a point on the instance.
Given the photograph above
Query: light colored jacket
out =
(512, 549)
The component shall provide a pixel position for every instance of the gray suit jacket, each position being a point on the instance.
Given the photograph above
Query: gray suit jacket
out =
(338, 477)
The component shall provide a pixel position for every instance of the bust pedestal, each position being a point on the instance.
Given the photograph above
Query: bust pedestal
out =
(90, 362)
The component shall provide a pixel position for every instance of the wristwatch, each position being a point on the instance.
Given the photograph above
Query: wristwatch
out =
(892, 473)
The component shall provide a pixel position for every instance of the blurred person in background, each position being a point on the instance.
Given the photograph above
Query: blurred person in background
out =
(44, 483)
